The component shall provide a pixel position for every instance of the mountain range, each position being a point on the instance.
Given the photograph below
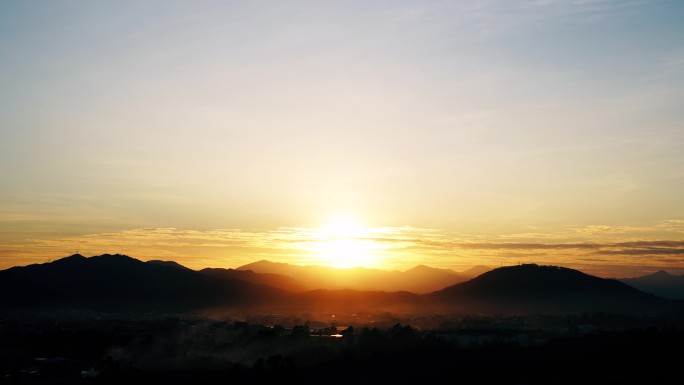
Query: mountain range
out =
(420, 279)
(121, 283)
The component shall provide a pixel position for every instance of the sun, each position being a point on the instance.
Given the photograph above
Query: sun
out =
(343, 243)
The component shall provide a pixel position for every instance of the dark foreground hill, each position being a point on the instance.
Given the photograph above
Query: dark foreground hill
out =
(119, 282)
(532, 288)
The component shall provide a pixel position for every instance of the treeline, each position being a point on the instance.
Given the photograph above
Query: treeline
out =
(175, 351)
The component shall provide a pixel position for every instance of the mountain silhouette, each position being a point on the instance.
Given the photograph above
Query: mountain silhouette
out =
(532, 288)
(420, 279)
(660, 283)
(168, 263)
(279, 281)
(476, 271)
(121, 282)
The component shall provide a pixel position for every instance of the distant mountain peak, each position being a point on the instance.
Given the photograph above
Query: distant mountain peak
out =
(661, 273)
(420, 268)
(260, 263)
(167, 263)
(476, 270)
(424, 269)
(264, 261)
(660, 283)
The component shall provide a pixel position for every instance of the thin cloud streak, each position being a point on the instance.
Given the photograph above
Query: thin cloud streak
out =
(393, 247)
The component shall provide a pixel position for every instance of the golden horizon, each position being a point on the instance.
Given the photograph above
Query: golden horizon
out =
(346, 244)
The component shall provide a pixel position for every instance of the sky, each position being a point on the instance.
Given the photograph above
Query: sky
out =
(375, 133)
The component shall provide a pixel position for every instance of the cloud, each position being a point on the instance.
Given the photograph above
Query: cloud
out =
(651, 244)
(654, 251)
(397, 247)
(640, 245)
(526, 246)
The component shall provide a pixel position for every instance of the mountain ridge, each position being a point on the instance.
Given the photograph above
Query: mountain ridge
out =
(660, 283)
(121, 282)
(543, 288)
(420, 279)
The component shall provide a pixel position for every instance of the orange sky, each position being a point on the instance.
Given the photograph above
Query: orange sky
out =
(609, 251)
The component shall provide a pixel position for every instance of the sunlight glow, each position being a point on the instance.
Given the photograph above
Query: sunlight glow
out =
(344, 244)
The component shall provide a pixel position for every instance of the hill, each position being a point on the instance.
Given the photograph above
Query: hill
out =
(112, 282)
(545, 290)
